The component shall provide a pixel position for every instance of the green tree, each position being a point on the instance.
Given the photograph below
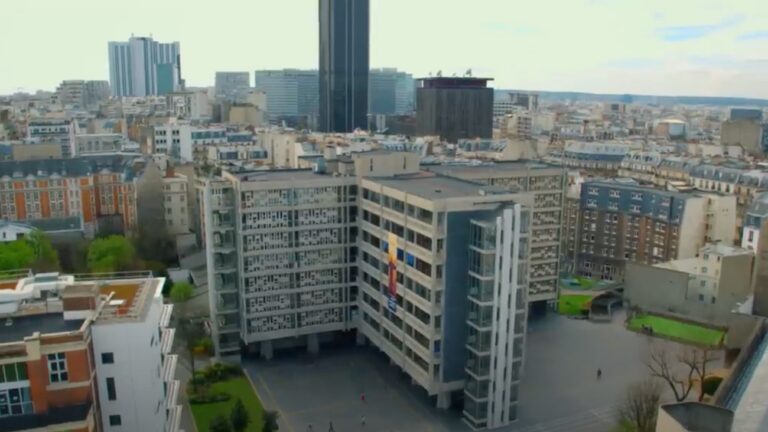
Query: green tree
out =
(219, 424)
(269, 421)
(16, 255)
(111, 254)
(239, 417)
(46, 257)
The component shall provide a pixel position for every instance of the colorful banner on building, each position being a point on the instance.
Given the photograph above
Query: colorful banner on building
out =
(392, 272)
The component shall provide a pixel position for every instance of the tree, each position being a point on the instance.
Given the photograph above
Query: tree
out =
(16, 255)
(219, 424)
(691, 364)
(269, 421)
(640, 407)
(191, 333)
(110, 254)
(239, 417)
(46, 257)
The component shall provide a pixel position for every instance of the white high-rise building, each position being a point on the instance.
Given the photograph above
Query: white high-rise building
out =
(144, 67)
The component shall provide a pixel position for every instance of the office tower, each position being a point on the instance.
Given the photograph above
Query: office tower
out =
(86, 352)
(391, 92)
(454, 108)
(281, 252)
(547, 185)
(343, 65)
(144, 67)
(290, 92)
(232, 86)
(511, 102)
(744, 132)
(443, 283)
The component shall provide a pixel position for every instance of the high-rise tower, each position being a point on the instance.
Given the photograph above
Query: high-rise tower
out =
(344, 28)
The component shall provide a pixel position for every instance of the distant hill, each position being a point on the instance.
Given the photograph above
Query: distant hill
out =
(643, 99)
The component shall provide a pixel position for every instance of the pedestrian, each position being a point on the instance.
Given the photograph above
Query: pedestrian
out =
(362, 421)
(599, 373)
(310, 428)
(362, 397)
(330, 427)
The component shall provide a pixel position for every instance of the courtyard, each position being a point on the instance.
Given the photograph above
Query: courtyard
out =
(559, 390)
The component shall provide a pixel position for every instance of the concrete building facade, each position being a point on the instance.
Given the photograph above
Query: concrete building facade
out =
(547, 185)
(232, 86)
(143, 67)
(290, 92)
(705, 288)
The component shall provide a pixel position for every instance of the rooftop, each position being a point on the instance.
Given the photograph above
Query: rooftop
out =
(269, 175)
(23, 326)
(433, 186)
(492, 169)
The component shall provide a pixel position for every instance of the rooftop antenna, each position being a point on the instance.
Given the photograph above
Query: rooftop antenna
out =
(468, 73)
(439, 73)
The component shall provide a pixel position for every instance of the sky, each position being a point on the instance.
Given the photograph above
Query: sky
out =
(662, 47)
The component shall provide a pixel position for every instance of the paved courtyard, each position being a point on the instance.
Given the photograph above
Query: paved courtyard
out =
(559, 391)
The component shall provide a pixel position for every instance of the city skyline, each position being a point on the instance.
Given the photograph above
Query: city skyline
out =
(684, 48)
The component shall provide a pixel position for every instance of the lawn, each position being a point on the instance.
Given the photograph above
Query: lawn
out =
(238, 387)
(578, 283)
(677, 329)
(573, 304)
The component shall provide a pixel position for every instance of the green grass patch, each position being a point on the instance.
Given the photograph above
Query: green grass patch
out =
(573, 304)
(677, 329)
(238, 387)
(578, 283)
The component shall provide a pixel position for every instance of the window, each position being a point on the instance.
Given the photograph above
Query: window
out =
(111, 392)
(704, 269)
(107, 358)
(57, 368)
(13, 372)
(115, 420)
(701, 297)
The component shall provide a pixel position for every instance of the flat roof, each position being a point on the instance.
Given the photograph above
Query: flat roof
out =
(433, 186)
(275, 175)
(496, 168)
(23, 326)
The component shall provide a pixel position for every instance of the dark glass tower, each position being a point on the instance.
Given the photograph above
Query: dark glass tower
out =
(343, 65)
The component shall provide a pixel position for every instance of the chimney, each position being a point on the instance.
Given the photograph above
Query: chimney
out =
(169, 171)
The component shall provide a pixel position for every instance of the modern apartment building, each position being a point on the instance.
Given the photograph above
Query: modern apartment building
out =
(143, 67)
(232, 86)
(82, 353)
(176, 204)
(282, 252)
(547, 184)
(343, 59)
(186, 142)
(443, 286)
(454, 108)
(622, 221)
(87, 192)
(290, 92)
(53, 131)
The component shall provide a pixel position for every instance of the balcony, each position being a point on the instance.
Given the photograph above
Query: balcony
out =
(74, 416)
(479, 342)
(477, 389)
(479, 366)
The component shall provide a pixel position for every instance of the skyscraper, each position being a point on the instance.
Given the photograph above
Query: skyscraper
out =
(343, 64)
(391, 92)
(290, 92)
(232, 86)
(143, 67)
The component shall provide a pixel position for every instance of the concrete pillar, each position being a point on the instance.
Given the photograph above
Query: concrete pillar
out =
(266, 350)
(443, 400)
(360, 338)
(313, 344)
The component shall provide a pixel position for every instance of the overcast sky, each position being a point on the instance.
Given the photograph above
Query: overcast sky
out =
(670, 47)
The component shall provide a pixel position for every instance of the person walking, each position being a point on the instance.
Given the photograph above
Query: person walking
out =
(310, 428)
(330, 427)
(599, 373)
(362, 421)
(362, 397)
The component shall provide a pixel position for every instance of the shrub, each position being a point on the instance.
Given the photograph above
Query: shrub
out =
(209, 397)
(220, 371)
(710, 384)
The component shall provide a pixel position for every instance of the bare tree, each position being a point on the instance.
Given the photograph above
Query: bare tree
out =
(681, 371)
(641, 406)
